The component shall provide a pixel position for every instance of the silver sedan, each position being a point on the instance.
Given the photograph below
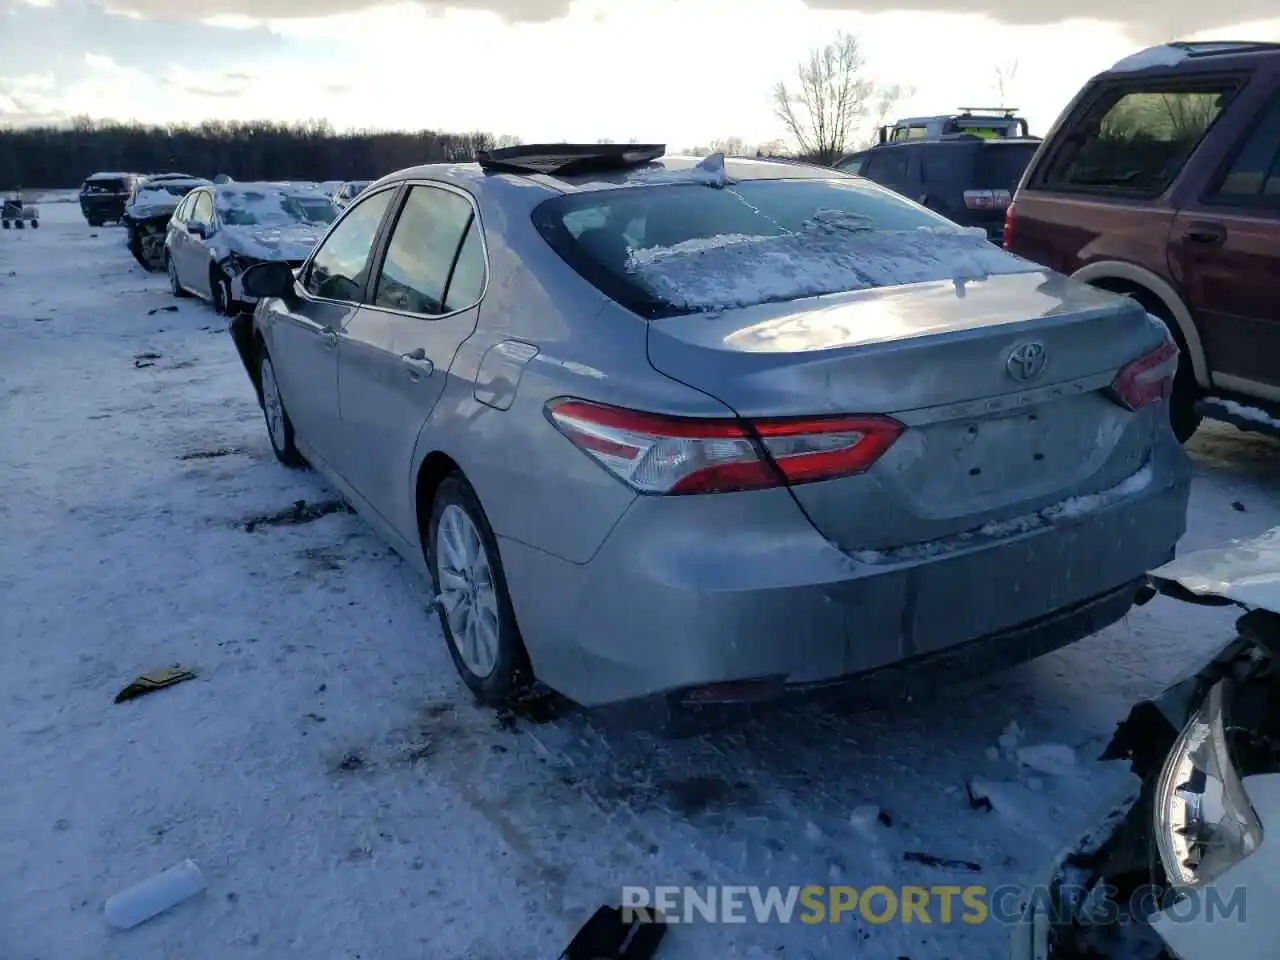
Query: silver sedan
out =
(681, 432)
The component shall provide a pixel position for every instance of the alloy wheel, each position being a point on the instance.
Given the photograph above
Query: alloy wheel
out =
(467, 591)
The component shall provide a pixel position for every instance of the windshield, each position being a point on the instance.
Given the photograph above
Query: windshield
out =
(273, 208)
(668, 250)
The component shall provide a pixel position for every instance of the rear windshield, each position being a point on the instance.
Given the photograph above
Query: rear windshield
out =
(273, 208)
(676, 249)
(1136, 139)
(1000, 165)
(105, 186)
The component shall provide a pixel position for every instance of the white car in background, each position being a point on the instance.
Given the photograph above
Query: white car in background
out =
(348, 191)
(220, 230)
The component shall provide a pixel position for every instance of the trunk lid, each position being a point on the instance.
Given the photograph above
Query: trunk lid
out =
(989, 437)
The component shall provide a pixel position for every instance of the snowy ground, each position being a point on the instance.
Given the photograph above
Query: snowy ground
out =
(342, 795)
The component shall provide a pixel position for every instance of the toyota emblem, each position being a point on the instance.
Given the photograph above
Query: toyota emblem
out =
(1027, 360)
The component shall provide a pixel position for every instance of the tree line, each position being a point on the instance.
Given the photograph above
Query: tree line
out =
(51, 157)
(832, 105)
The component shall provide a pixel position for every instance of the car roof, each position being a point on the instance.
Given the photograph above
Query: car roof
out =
(1183, 57)
(664, 170)
(108, 176)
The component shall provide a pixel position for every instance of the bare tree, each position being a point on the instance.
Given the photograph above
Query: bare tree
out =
(729, 146)
(831, 100)
(1003, 78)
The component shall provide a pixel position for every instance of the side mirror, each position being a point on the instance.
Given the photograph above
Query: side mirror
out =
(198, 230)
(272, 278)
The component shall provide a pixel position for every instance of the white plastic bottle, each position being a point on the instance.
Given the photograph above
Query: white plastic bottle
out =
(154, 895)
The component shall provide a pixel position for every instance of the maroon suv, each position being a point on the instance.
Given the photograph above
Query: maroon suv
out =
(1161, 180)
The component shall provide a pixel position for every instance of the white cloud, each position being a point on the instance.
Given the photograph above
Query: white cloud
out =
(674, 71)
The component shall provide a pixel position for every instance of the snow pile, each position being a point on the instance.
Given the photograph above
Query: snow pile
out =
(656, 255)
(1091, 503)
(831, 255)
(1055, 759)
(1251, 414)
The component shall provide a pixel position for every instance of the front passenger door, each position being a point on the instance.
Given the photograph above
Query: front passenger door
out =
(193, 266)
(303, 336)
(395, 357)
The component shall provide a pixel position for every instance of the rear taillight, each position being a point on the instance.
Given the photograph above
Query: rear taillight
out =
(1008, 224)
(654, 453)
(1148, 378)
(987, 200)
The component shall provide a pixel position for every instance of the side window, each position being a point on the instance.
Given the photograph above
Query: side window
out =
(1254, 176)
(181, 213)
(424, 245)
(1135, 140)
(341, 265)
(202, 212)
(853, 164)
(888, 168)
(467, 282)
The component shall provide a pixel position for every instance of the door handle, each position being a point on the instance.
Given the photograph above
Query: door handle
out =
(418, 363)
(330, 339)
(1206, 234)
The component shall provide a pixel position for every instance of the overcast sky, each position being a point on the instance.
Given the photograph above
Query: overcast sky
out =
(681, 72)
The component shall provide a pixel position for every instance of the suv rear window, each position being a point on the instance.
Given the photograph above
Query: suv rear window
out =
(1136, 139)
(681, 248)
(105, 186)
(1001, 165)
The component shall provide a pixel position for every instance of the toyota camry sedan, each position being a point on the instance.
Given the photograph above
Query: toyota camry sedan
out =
(680, 432)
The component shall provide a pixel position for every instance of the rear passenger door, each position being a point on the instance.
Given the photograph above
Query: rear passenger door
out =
(1224, 251)
(396, 351)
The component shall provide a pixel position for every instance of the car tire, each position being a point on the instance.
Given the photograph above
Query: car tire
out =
(35, 224)
(175, 285)
(279, 426)
(220, 293)
(95, 223)
(6, 224)
(476, 616)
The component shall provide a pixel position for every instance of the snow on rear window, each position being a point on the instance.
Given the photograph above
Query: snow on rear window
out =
(274, 208)
(669, 250)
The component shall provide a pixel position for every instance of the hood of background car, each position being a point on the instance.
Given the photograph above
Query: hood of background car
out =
(1246, 572)
(271, 243)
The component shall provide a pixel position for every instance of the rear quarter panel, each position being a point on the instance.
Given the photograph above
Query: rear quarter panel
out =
(535, 486)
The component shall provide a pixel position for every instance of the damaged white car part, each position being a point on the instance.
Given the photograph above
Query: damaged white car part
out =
(1184, 863)
(1204, 824)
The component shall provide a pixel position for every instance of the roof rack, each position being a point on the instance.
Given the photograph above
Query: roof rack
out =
(1218, 48)
(989, 111)
(568, 158)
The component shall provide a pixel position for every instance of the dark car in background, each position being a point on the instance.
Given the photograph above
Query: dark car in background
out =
(967, 178)
(103, 196)
(147, 214)
(1161, 180)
